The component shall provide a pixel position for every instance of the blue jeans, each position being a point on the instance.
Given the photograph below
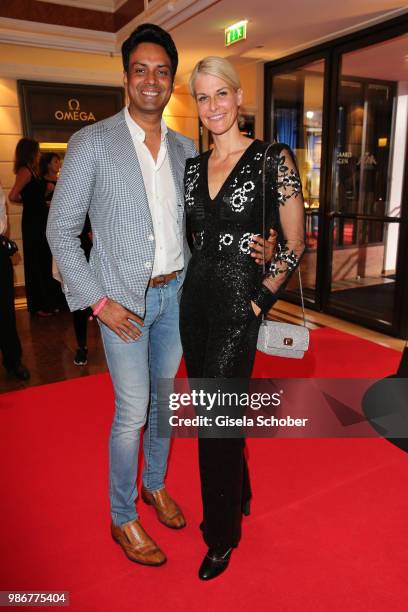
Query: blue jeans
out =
(135, 368)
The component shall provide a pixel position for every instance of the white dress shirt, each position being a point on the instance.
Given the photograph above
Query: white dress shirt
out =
(162, 198)
(3, 214)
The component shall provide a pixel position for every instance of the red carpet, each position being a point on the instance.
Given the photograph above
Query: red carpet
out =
(328, 529)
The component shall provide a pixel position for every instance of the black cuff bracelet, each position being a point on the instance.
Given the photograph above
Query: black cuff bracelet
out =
(263, 298)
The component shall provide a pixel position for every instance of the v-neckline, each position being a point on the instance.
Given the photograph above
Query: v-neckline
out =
(234, 168)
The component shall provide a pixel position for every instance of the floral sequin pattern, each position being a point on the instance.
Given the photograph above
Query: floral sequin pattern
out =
(190, 182)
(240, 195)
(284, 261)
(228, 239)
(198, 239)
(288, 184)
(244, 243)
(234, 217)
(225, 240)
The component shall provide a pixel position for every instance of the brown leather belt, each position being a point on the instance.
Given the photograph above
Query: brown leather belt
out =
(163, 279)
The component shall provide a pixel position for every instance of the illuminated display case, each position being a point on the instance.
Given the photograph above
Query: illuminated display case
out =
(52, 112)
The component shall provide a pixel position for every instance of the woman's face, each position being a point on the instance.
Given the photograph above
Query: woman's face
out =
(217, 103)
(54, 166)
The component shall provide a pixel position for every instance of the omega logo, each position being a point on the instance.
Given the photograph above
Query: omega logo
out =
(74, 113)
(73, 104)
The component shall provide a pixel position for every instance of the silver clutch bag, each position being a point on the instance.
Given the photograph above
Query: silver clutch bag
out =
(274, 337)
(283, 339)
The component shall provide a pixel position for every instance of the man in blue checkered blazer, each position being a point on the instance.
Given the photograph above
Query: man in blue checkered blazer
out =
(126, 172)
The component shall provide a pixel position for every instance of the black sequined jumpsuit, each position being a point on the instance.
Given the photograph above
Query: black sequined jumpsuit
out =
(218, 326)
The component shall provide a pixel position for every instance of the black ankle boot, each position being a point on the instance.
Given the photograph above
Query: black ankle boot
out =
(215, 562)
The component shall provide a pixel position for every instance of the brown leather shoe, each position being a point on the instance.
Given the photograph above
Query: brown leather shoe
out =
(138, 546)
(167, 510)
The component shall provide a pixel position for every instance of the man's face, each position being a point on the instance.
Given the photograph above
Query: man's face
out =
(148, 80)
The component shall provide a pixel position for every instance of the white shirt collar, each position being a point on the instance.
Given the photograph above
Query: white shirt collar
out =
(137, 131)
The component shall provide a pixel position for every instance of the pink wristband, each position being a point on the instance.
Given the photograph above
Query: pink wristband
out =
(99, 306)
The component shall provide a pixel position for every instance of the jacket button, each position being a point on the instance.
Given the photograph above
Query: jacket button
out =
(151, 237)
(148, 264)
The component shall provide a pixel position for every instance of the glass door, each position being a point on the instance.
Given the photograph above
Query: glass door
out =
(296, 119)
(367, 181)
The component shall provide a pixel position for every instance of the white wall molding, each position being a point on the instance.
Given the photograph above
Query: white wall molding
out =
(32, 34)
(106, 6)
(166, 13)
(53, 74)
(384, 17)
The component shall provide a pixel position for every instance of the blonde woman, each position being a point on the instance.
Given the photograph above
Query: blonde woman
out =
(225, 291)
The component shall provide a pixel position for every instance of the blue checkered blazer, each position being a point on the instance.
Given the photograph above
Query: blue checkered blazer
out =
(101, 176)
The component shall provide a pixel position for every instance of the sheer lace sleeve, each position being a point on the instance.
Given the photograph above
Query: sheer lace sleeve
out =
(291, 240)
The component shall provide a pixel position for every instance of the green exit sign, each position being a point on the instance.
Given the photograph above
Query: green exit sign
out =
(235, 33)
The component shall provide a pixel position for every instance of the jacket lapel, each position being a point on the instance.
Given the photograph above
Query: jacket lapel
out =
(177, 165)
(120, 144)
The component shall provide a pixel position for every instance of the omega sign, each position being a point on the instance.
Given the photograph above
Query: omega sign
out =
(74, 113)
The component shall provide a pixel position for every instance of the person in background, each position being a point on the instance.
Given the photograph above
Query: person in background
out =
(81, 317)
(28, 189)
(10, 345)
(50, 165)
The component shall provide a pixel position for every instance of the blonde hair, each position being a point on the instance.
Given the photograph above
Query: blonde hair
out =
(218, 67)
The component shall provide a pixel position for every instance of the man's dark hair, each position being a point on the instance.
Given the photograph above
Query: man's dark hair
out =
(150, 33)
